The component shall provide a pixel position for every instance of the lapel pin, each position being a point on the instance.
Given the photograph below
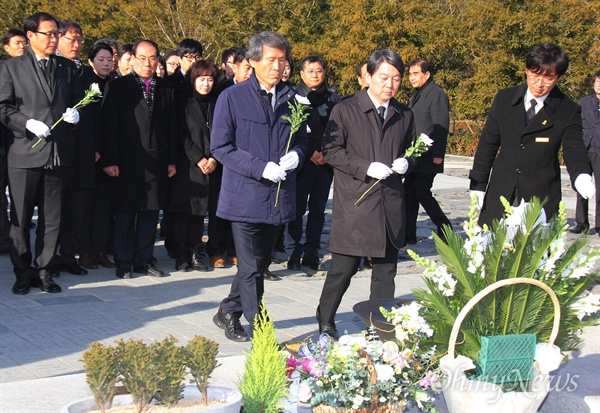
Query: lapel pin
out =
(544, 122)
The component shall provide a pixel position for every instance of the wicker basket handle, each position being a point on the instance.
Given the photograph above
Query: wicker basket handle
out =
(372, 376)
(509, 281)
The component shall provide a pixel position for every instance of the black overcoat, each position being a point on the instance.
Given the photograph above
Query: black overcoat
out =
(512, 154)
(432, 117)
(354, 137)
(190, 186)
(142, 143)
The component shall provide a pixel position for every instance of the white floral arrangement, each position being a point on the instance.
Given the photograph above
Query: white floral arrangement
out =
(522, 244)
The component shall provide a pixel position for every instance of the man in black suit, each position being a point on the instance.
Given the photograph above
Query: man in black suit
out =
(36, 89)
(590, 116)
(530, 123)
(432, 117)
(140, 151)
(189, 51)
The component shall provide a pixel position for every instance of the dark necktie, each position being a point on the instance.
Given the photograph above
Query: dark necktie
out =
(381, 110)
(267, 96)
(531, 111)
(44, 64)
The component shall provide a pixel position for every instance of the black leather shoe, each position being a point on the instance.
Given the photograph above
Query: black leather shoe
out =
(231, 324)
(45, 283)
(578, 229)
(148, 269)
(327, 328)
(269, 276)
(21, 287)
(102, 260)
(313, 262)
(294, 263)
(73, 268)
(124, 271)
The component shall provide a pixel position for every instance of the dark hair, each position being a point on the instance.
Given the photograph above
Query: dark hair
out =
(110, 41)
(312, 59)
(424, 65)
(227, 53)
(547, 58)
(10, 33)
(189, 46)
(240, 55)
(31, 23)
(385, 56)
(169, 54)
(123, 49)
(597, 75)
(66, 25)
(137, 43)
(203, 68)
(360, 65)
(162, 61)
(291, 68)
(96, 47)
(269, 39)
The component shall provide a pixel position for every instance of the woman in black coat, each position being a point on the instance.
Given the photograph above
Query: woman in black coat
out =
(189, 191)
(96, 229)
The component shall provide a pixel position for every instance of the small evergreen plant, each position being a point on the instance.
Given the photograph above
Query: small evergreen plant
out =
(139, 371)
(200, 356)
(101, 372)
(264, 382)
(170, 363)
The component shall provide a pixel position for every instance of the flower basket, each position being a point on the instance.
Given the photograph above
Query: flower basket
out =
(375, 407)
(465, 395)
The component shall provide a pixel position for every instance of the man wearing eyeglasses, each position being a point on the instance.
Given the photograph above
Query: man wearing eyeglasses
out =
(530, 123)
(36, 89)
(189, 51)
(139, 151)
(70, 41)
(315, 177)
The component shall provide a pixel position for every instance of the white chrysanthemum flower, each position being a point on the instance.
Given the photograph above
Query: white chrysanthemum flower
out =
(303, 100)
(587, 305)
(426, 139)
(385, 372)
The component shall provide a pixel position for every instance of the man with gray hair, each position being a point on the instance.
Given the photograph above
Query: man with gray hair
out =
(365, 141)
(258, 191)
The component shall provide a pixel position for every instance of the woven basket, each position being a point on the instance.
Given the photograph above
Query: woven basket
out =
(374, 408)
(464, 395)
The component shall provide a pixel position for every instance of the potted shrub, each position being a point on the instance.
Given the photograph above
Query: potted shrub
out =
(153, 374)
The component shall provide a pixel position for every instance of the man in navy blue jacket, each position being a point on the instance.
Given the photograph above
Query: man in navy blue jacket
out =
(250, 138)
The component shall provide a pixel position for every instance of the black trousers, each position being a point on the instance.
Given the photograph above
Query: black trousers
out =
(4, 222)
(135, 233)
(312, 189)
(73, 213)
(187, 229)
(417, 190)
(582, 207)
(29, 188)
(343, 267)
(97, 220)
(253, 245)
(220, 236)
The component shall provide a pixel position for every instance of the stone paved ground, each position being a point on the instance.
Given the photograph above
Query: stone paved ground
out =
(42, 336)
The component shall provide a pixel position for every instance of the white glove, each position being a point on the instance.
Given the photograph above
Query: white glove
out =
(378, 170)
(400, 166)
(585, 186)
(71, 116)
(39, 129)
(289, 161)
(274, 172)
(480, 197)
